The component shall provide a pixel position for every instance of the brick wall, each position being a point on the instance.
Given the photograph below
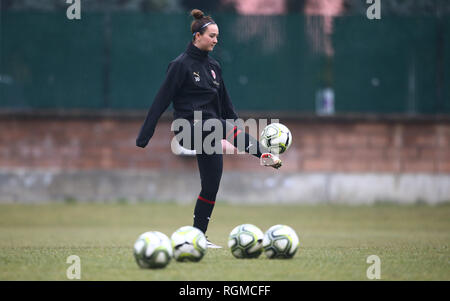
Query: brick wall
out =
(319, 145)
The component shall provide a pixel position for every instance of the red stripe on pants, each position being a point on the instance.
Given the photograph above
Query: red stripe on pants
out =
(231, 132)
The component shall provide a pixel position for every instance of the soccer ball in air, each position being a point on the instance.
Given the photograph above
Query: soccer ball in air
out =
(189, 244)
(152, 250)
(245, 241)
(280, 241)
(276, 138)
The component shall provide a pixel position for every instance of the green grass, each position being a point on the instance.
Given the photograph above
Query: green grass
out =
(411, 241)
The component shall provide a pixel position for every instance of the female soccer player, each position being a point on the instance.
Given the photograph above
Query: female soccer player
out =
(194, 83)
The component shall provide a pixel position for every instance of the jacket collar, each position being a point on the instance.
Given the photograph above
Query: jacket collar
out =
(195, 52)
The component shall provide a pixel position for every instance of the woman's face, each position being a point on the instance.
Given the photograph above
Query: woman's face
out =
(208, 39)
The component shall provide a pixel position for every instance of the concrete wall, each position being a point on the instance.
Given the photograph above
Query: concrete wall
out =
(44, 186)
(47, 158)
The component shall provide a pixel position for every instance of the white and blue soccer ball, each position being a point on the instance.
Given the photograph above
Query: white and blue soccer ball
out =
(189, 244)
(280, 241)
(245, 241)
(152, 250)
(276, 137)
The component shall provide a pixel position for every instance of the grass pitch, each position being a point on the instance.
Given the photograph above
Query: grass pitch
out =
(335, 241)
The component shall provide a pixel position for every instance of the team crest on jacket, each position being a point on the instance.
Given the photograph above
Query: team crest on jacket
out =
(213, 74)
(196, 76)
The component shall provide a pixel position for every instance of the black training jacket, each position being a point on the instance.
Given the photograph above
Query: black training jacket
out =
(193, 83)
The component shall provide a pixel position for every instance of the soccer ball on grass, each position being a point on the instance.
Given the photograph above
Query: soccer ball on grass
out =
(189, 244)
(280, 241)
(245, 241)
(152, 250)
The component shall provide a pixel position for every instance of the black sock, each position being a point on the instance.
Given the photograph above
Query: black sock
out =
(202, 213)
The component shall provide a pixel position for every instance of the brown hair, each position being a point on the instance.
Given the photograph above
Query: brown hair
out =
(198, 25)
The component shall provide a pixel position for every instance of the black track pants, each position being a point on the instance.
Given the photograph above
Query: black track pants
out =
(211, 165)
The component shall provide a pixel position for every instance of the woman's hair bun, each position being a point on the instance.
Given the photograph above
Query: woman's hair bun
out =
(197, 14)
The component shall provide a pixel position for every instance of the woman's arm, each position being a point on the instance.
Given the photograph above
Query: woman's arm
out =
(173, 81)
